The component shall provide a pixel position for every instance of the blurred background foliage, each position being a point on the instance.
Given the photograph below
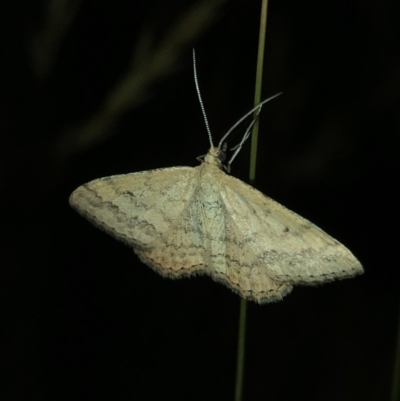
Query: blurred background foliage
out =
(94, 88)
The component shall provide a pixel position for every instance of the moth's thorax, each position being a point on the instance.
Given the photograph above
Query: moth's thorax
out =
(212, 157)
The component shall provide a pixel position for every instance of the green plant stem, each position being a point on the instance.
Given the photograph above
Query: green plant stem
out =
(241, 350)
(258, 87)
(396, 370)
(252, 175)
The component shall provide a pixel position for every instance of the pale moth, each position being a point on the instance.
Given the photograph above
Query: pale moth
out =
(183, 221)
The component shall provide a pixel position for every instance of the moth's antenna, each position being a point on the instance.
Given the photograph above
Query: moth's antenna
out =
(196, 82)
(238, 147)
(258, 108)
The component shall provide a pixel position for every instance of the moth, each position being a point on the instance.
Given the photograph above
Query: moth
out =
(184, 221)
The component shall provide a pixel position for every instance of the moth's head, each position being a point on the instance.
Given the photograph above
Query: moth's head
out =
(216, 156)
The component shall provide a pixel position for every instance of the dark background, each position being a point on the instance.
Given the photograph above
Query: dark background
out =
(82, 318)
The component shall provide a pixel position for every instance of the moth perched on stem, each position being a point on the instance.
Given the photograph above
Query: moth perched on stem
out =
(183, 221)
